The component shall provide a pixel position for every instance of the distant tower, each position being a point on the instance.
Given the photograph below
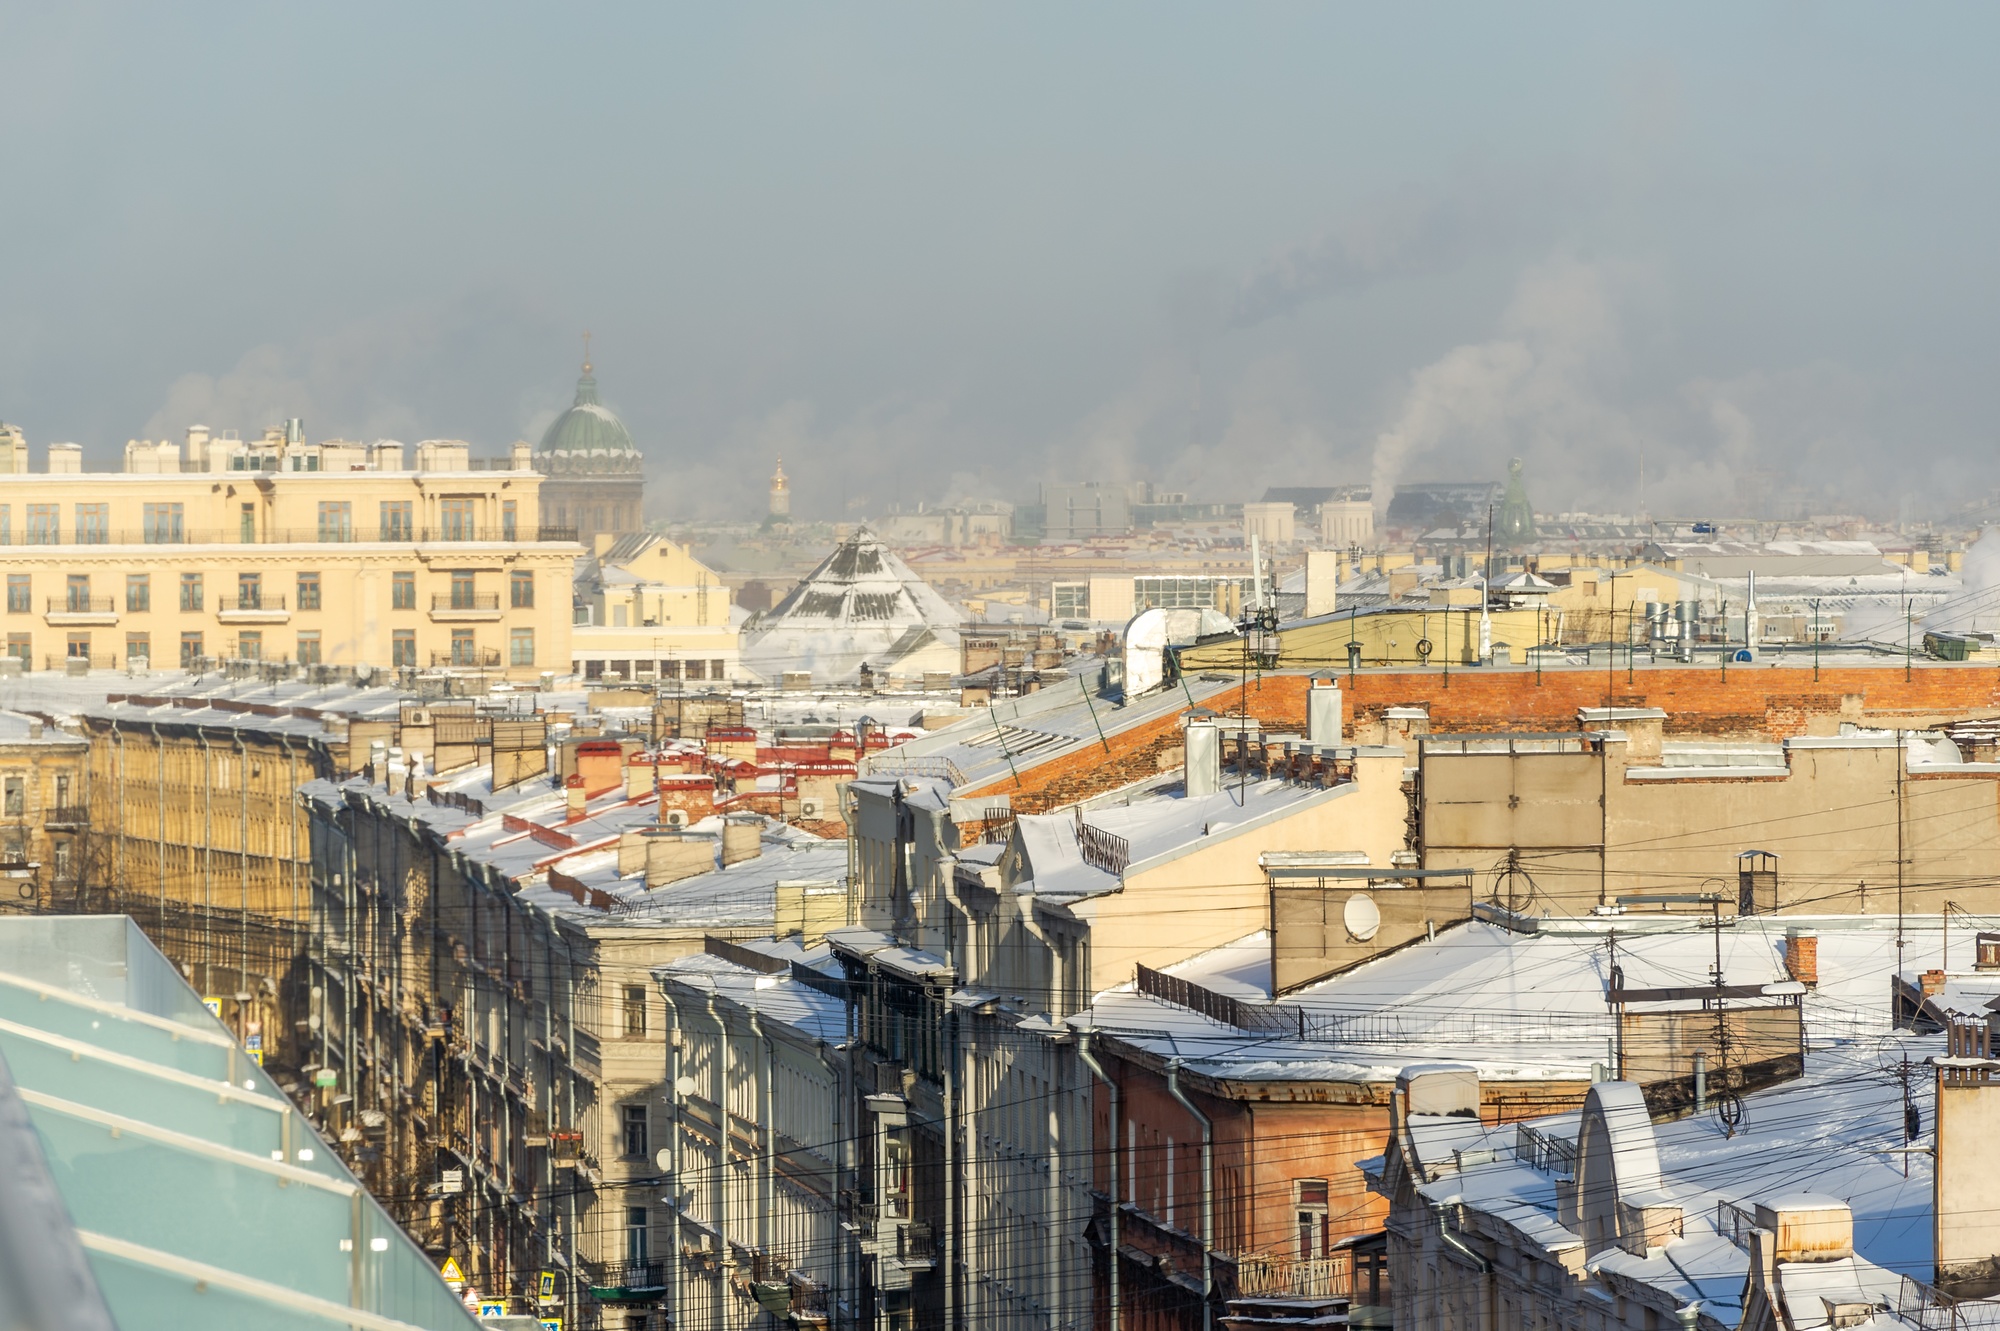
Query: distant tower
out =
(1516, 524)
(781, 495)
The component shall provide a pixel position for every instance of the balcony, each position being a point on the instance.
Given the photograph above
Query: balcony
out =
(464, 608)
(59, 817)
(81, 610)
(251, 609)
(468, 658)
(626, 1282)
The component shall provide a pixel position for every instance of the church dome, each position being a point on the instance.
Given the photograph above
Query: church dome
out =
(588, 438)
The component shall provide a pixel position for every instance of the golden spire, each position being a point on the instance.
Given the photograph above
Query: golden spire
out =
(586, 351)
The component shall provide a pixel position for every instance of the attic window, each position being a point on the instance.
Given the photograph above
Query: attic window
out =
(827, 604)
(875, 605)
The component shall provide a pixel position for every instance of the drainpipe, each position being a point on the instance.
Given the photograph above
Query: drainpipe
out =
(674, 1038)
(1111, 1088)
(160, 807)
(768, 1112)
(840, 1148)
(723, 1260)
(1485, 1267)
(1207, 1192)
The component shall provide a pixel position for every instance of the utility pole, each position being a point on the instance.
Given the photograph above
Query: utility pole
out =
(1900, 764)
(1815, 638)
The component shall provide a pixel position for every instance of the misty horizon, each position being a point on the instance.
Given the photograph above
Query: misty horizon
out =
(934, 255)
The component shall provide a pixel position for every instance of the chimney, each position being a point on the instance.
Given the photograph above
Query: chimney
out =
(1323, 711)
(1203, 746)
(638, 777)
(65, 459)
(1322, 574)
(671, 857)
(521, 457)
(742, 838)
(1931, 982)
(1802, 956)
(1965, 1227)
(573, 792)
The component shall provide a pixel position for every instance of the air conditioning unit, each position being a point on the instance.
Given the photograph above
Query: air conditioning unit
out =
(811, 809)
(676, 818)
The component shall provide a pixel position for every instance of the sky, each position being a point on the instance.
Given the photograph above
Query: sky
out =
(931, 252)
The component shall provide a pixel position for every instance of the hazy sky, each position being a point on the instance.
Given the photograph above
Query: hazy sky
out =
(932, 250)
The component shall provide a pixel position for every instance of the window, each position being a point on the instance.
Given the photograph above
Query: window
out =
(246, 523)
(76, 591)
(191, 657)
(1314, 1235)
(336, 520)
(403, 647)
(309, 648)
(634, 1117)
(163, 524)
(138, 592)
(44, 524)
(670, 670)
(93, 524)
(635, 1009)
(6, 524)
(1069, 600)
(462, 650)
(63, 860)
(462, 597)
(250, 645)
(191, 594)
(17, 797)
(520, 647)
(19, 646)
(508, 519)
(697, 670)
(78, 648)
(402, 591)
(716, 671)
(618, 615)
(249, 591)
(138, 647)
(62, 790)
(521, 590)
(397, 523)
(19, 599)
(457, 517)
(308, 593)
(637, 1250)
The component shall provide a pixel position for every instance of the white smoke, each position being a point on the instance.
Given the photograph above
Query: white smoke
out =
(1529, 386)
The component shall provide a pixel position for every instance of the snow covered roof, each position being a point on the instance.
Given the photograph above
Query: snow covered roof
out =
(861, 606)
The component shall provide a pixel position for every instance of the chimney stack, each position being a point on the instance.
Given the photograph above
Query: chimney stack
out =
(1323, 711)
(742, 838)
(1202, 744)
(573, 792)
(1965, 1227)
(1802, 956)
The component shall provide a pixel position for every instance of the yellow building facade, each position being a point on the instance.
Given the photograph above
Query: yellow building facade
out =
(312, 554)
(647, 609)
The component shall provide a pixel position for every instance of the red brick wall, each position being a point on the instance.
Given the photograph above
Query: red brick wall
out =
(1773, 702)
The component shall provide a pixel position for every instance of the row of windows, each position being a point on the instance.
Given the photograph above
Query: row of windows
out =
(166, 524)
(250, 593)
(667, 669)
(251, 645)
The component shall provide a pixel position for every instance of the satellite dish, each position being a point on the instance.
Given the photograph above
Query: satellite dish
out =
(1145, 652)
(663, 1159)
(1362, 917)
(684, 1087)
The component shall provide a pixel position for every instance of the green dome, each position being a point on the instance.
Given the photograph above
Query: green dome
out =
(587, 437)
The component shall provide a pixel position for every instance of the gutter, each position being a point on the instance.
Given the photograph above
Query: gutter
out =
(1097, 1070)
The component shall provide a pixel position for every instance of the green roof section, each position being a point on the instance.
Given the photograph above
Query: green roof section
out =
(186, 1188)
(587, 438)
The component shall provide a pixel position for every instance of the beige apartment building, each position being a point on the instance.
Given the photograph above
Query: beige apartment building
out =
(337, 554)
